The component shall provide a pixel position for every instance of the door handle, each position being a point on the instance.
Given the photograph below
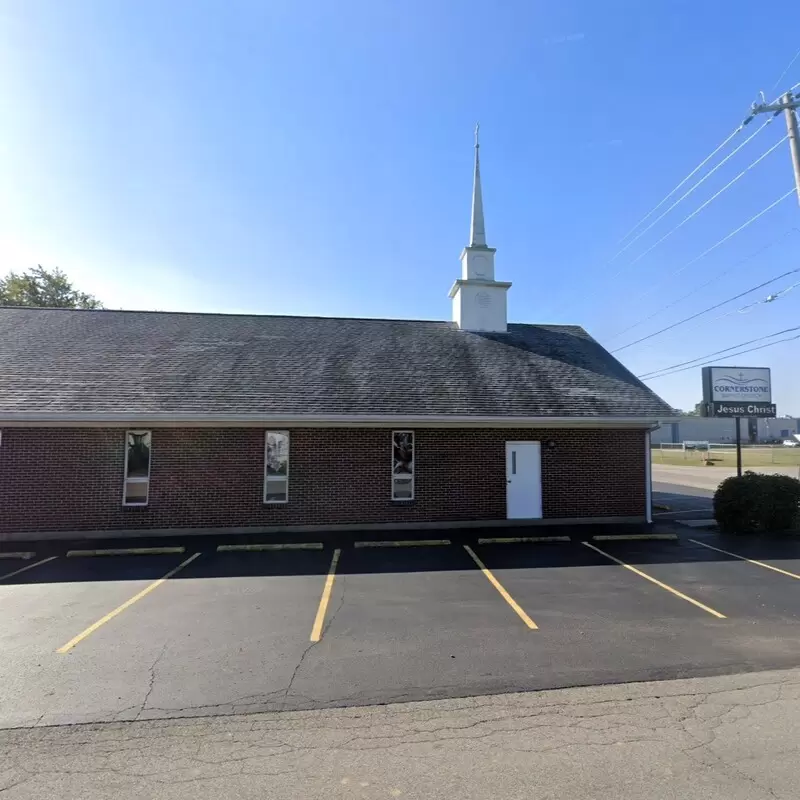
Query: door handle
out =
(508, 481)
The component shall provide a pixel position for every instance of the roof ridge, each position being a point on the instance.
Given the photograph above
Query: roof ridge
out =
(444, 323)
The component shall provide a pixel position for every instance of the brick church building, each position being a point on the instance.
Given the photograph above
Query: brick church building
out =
(132, 421)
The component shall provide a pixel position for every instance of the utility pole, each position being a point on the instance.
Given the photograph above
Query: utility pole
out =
(788, 104)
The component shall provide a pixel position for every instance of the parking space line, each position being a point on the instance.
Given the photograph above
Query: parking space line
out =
(255, 548)
(25, 568)
(128, 551)
(523, 539)
(749, 560)
(501, 589)
(316, 631)
(403, 543)
(119, 609)
(658, 583)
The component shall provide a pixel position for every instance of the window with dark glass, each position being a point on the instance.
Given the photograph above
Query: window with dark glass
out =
(136, 489)
(276, 467)
(402, 465)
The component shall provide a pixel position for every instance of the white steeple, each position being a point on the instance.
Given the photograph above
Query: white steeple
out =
(477, 231)
(479, 301)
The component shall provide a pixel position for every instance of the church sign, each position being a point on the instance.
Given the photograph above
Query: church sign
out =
(738, 392)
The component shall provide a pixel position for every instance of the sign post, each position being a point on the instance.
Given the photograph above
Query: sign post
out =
(738, 392)
(739, 446)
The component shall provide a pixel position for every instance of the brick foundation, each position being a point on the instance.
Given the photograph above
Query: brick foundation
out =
(70, 479)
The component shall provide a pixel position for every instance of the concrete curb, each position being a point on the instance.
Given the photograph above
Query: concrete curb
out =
(697, 523)
(380, 528)
(255, 548)
(127, 551)
(26, 554)
(636, 537)
(404, 543)
(523, 539)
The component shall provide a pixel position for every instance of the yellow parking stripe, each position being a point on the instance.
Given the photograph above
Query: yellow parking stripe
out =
(119, 609)
(316, 631)
(748, 560)
(23, 569)
(658, 583)
(503, 593)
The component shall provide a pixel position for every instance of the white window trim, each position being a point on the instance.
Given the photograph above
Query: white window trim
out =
(413, 467)
(126, 479)
(277, 478)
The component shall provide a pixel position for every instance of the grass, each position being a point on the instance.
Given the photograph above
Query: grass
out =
(726, 457)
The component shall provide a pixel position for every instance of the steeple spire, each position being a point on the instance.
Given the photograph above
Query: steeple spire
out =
(477, 233)
(479, 301)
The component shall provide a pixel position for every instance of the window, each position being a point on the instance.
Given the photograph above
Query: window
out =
(276, 467)
(137, 468)
(402, 465)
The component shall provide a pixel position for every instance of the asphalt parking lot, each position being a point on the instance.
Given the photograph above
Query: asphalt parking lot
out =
(120, 637)
(676, 502)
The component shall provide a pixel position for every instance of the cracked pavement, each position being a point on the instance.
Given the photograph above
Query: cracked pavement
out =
(231, 636)
(718, 738)
(423, 684)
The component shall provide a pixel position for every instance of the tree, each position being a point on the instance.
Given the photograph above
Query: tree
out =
(43, 288)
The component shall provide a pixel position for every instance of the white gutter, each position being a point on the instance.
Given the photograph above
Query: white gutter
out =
(190, 419)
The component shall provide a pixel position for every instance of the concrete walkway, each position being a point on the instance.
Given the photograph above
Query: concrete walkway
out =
(721, 738)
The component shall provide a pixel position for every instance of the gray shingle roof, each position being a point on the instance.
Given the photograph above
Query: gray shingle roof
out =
(63, 361)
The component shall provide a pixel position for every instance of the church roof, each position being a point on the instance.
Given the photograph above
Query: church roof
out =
(58, 363)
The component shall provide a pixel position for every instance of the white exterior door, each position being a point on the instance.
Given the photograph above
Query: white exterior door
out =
(523, 480)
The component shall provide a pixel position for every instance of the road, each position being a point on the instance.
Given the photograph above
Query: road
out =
(719, 738)
(708, 478)
(688, 490)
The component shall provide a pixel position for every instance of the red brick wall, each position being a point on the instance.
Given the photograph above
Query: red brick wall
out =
(71, 478)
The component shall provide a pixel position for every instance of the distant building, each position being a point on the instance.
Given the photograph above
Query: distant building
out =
(723, 431)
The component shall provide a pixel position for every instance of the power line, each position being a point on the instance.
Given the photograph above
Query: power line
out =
(701, 256)
(700, 166)
(687, 193)
(788, 67)
(714, 279)
(706, 203)
(747, 309)
(731, 355)
(714, 307)
(691, 362)
(770, 298)
(786, 104)
(690, 175)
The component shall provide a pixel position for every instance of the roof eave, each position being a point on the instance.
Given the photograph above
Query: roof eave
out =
(263, 420)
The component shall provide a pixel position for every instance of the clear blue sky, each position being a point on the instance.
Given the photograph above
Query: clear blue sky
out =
(315, 158)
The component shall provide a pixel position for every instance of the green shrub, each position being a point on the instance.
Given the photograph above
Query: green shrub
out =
(757, 502)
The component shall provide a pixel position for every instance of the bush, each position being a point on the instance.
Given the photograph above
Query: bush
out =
(757, 502)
